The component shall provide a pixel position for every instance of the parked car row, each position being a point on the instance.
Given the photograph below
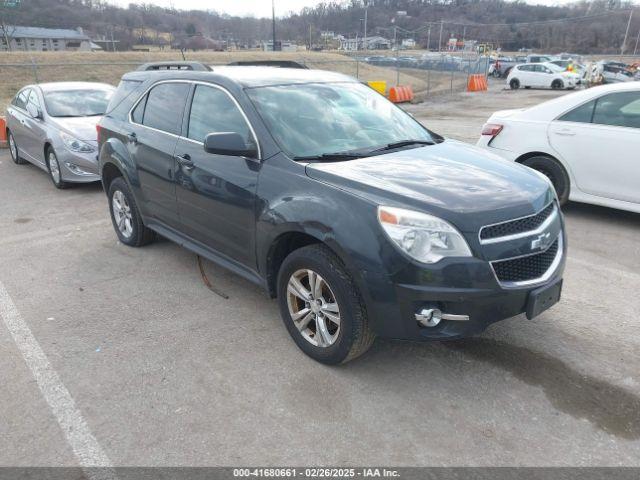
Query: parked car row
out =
(357, 218)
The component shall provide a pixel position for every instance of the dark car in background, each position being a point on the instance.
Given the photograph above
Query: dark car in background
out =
(357, 218)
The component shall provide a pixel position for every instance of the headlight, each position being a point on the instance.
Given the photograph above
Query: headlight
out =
(76, 145)
(423, 237)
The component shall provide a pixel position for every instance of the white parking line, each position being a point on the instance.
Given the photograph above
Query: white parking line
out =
(84, 444)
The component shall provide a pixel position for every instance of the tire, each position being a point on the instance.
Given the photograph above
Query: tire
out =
(125, 216)
(557, 84)
(553, 170)
(514, 84)
(14, 151)
(342, 343)
(55, 173)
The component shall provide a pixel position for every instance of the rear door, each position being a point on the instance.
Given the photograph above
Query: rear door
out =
(34, 131)
(600, 140)
(156, 124)
(17, 122)
(216, 193)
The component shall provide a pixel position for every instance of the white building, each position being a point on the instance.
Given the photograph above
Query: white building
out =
(285, 46)
(368, 43)
(36, 39)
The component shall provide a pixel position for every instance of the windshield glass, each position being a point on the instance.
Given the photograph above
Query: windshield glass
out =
(316, 119)
(554, 68)
(77, 103)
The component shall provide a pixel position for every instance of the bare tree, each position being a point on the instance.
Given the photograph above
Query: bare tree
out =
(6, 30)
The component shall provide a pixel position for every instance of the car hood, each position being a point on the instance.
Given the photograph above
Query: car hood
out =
(461, 183)
(82, 128)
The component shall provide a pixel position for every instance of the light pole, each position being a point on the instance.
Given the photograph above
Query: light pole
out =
(440, 40)
(273, 18)
(366, 15)
(626, 33)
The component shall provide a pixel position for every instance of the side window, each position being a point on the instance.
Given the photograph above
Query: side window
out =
(138, 113)
(618, 109)
(212, 111)
(582, 114)
(165, 104)
(20, 100)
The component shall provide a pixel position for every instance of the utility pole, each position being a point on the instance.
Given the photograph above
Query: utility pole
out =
(429, 38)
(637, 38)
(366, 15)
(273, 17)
(440, 40)
(626, 33)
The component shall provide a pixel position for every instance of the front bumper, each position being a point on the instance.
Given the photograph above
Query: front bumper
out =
(78, 167)
(466, 290)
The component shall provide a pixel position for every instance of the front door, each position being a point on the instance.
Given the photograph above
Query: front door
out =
(216, 193)
(156, 123)
(600, 141)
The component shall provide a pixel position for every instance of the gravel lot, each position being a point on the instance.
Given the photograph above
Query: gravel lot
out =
(140, 364)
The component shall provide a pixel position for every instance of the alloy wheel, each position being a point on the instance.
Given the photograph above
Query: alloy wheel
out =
(13, 148)
(313, 308)
(122, 213)
(54, 168)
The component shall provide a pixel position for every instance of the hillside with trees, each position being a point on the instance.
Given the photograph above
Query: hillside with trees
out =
(584, 27)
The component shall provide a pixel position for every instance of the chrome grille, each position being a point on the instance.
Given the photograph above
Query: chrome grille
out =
(518, 226)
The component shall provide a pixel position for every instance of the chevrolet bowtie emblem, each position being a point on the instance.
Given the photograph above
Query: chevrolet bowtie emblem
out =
(541, 242)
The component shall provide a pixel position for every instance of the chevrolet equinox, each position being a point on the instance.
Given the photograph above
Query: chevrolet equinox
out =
(358, 219)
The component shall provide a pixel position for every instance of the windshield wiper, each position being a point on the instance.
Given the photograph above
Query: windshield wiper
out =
(330, 157)
(402, 143)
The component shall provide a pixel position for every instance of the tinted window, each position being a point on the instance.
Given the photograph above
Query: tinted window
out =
(165, 104)
(77, 103)
(525, 68)
(138, 113)
(20, 100)
(212, 111)
(124, 90)
(582, 114)
(618, 109)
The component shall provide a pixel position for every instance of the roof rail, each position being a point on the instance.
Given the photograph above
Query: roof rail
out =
(195, 66)
(269, 63)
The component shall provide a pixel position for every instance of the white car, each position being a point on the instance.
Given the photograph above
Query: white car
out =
(541, 75)
(586, 143)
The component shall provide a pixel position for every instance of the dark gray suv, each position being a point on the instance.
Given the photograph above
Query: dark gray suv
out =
(357, 218)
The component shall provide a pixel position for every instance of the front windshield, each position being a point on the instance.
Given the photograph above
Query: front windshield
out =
(554, 68)
(77, 103)
(324, 118)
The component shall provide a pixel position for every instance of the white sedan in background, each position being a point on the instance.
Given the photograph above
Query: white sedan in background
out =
(587, 143)
(542, 75)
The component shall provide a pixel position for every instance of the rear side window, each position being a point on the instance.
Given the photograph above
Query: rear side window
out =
(165, 105)
(33, 99)
(20, 100)
(582, 114)
(123, 91)
(212, 111)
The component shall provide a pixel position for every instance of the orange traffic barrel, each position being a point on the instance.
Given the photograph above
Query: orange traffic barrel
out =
(3, 132)
(477, 83)
(401, 94)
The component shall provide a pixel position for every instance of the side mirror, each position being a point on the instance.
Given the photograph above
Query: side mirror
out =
(34, 111)
(231, 144)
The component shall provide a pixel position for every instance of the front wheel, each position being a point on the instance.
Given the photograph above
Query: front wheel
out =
(322, 307)
(555, 172)
(54, 170)
(514, 84)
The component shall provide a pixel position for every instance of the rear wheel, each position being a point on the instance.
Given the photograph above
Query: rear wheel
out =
(54, 170)
(322, 307)
(14, 151)
(125, 216)
(514, 84)
(557, 84)
(555, 172)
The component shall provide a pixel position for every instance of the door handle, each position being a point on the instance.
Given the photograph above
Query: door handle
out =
(185, 161)
(133, 138)
(565, 133)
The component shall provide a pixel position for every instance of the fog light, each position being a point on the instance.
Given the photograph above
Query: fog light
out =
(429, 317)
(76, 169)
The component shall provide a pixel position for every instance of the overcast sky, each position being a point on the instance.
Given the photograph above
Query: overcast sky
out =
(261, 8)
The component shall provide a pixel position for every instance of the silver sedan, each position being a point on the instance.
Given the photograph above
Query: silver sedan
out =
(53, 126)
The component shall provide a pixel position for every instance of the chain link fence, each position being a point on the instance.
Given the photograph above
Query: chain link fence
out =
(428, 74)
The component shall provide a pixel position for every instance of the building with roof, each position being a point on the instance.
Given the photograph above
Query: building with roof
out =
(36, 39)
(368, 43)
